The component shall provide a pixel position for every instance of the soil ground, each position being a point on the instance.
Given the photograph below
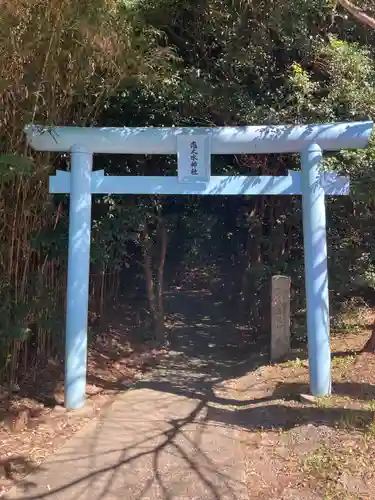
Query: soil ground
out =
(289, 448)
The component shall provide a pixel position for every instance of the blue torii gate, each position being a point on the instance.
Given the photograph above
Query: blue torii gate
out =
(194, 147)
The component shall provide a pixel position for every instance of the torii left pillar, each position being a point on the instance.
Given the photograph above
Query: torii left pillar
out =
(78, 278)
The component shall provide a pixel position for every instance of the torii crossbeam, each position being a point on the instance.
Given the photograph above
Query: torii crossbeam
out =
(194, 147)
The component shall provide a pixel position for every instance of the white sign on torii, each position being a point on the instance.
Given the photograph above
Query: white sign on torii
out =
(194, 147)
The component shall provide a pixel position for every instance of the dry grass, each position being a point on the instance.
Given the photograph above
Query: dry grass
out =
(315, 451)
(113, 366)
(293, 450)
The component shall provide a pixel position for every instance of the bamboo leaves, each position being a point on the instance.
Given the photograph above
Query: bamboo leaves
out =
(12, 165)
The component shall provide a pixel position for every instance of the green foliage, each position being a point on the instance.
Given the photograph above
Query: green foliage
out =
(171, 63)
(11, 165)
(241, 63)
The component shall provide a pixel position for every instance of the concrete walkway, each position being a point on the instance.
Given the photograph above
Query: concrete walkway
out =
(148, 445)
(162, 440)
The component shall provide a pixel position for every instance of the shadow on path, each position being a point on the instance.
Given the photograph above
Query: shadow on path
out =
(179, 433)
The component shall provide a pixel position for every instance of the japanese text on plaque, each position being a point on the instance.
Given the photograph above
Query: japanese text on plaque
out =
(193, 158)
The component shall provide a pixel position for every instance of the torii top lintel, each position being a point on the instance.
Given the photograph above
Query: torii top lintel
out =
(224, 140)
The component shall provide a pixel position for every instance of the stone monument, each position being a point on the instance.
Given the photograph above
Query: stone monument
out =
(280, 317)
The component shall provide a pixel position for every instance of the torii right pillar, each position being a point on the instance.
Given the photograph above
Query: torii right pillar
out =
(316, 272)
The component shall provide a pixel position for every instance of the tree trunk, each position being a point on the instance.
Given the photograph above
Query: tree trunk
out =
(147, 266)
(160, 325)
(254, 259)
(102, 294)
(155, 284)
(359, 14)
(370, 344)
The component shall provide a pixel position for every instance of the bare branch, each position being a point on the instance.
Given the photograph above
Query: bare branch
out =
(357, 13)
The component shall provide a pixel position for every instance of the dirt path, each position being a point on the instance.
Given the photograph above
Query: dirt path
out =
(215, 421)
(160, 440)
